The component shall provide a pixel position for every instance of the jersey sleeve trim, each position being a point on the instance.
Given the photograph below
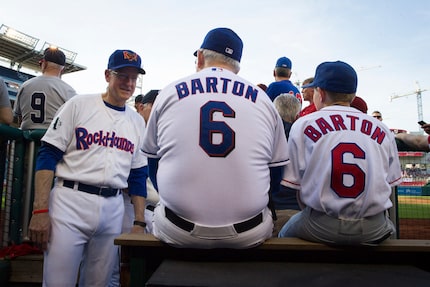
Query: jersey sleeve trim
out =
(48, 157)
(279, 163)
(287, 183)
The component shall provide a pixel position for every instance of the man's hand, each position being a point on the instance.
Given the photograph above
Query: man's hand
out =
(40, 229)
(138, 229)
(426, 128)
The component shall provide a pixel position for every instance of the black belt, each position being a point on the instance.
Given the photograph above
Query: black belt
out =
(102, 191)
(189, 226)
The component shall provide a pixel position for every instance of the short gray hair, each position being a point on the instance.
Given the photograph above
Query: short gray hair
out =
(212, 56)
(288, 106)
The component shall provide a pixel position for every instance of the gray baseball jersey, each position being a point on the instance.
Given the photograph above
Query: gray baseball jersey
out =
(38, 100)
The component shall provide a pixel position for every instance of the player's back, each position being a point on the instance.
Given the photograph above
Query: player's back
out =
(280, 87)
(347, 159)
(38, 100)
(217, 136)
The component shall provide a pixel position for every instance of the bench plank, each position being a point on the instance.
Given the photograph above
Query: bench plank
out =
(290, 243)
(142, 254)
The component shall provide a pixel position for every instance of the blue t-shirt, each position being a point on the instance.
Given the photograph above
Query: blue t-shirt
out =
(281, 87)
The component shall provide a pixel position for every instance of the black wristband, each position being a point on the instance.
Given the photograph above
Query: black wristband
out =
(140, 223)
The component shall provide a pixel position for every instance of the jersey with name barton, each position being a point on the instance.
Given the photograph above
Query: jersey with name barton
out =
(344, 162)
(216, 136)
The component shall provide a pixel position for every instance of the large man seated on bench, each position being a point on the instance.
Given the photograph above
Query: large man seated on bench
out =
(216, 136)
(344, 164)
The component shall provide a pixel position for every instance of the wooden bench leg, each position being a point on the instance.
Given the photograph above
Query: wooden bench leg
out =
(125, 266)
(125, 274)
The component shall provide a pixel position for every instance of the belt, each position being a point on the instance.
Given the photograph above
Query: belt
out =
(189, 226)
(102, 191)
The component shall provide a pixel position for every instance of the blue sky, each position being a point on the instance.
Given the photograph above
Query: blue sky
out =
(387, 42)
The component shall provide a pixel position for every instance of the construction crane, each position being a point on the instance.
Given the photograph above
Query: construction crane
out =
(418, 92)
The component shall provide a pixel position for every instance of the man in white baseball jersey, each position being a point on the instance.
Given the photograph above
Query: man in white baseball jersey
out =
(344, 164)
(39, 98)
(216, 136)
(93, 146)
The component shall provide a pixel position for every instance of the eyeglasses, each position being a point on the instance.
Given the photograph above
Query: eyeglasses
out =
(378, 117)
(124, 77)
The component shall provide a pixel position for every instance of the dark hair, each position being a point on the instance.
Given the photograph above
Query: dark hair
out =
(308, 80)
(138, 98)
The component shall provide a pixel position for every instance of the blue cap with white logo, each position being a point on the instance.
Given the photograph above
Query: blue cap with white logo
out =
(283, 62)
(224, 41)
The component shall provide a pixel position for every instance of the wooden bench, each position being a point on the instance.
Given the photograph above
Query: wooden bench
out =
(27, 269)
(142, 254)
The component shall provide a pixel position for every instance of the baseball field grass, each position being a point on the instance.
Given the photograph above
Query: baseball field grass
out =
(413, 217)
(414, 207)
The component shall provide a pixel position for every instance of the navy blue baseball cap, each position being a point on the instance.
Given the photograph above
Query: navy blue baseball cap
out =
(125, 58)
(283, 62)
(337, 77)
(224, 41)
(149, 97)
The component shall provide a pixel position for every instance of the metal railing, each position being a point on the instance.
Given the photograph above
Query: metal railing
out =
(18, 152)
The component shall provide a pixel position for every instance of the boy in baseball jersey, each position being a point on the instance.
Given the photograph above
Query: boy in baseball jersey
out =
(93, 146)
(39, 98)
(344, 164)
(216, 136)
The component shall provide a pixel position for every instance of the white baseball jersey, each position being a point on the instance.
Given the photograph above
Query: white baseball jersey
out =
(101, 143)
(38, 100)
(344, 162)
(216, 136)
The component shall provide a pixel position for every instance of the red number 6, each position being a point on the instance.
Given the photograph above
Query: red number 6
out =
(341, 169)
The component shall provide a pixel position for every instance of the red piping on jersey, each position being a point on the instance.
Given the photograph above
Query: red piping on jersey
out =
(295, 184)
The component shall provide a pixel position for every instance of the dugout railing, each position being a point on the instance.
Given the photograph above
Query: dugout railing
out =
(18, 150)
